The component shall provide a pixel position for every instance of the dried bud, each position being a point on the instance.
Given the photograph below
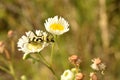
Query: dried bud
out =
(93, 76)
(98, 65)
(79, 76)
(78, 62)
(102, 66)
(74, 60)
(2, 46)
(10, 33)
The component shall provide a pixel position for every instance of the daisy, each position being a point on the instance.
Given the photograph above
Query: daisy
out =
(27, 42)
(56, 25)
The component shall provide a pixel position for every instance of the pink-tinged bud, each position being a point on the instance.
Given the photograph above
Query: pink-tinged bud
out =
(74, 60)
(10, 33)
(2, 46)
(79, 76)
(93, 76)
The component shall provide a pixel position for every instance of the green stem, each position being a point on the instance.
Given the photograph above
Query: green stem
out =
(77, 68)
(52, 48)
(4, 69)
(43, 59)
(102, 75)
(12, 47)
(12, 71)
(52, 52)
(47, 65)
(34, 59)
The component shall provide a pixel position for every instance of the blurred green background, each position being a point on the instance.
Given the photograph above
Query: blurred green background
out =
(94, 32)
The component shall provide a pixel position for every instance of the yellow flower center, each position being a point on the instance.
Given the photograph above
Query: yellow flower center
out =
(34, 46)
(56, 26)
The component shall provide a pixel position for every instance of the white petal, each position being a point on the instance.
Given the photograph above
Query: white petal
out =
(67, 75)
(95, 67)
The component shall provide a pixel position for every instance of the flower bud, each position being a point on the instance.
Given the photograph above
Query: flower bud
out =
(10, 33)
(74, 60)
(93, 76)
(79, 76)
(2, 46)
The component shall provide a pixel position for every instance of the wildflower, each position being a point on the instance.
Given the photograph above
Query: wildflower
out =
(32, 42)
(2, 46)
(79, 76)
(98, 65)
(56, 25)
(74, 60)
(93, 76)
(67, 75)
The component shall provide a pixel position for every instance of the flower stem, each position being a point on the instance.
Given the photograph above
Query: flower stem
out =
(10, 65)
(52, 48)
(4, 69)
(12, 71)
(44, 61)
(52, 52)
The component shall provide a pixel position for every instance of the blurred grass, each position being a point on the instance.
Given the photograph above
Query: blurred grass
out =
(83, 39)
